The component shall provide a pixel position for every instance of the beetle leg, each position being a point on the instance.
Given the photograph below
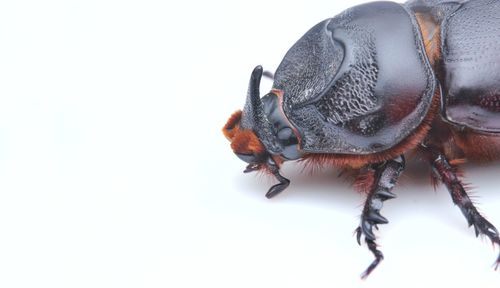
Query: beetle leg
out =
(443, 170)
(386, 175)
(278, 188)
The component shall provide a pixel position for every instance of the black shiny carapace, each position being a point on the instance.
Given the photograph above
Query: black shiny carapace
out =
(377, 82)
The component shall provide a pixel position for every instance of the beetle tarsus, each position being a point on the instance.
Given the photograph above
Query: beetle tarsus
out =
(386, 175)
(284, 182)
(378, 258)
(278, 188)
(496, 265)
(445, 172)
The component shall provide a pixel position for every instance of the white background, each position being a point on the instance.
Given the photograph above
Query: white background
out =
(114, 172)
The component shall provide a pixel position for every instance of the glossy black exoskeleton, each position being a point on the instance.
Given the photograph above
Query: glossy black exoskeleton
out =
(376, 82)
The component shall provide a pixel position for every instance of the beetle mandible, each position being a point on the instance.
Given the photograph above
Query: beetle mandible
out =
(378, 81)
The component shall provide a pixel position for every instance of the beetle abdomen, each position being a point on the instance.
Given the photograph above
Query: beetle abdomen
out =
(471, 60)
(377, 94)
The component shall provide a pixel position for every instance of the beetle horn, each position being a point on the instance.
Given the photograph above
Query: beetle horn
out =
(255, 118)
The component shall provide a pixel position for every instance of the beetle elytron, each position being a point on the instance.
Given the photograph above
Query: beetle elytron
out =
(378, 81)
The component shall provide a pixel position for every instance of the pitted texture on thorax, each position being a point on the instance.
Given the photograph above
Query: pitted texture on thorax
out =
(353, 94)
(471, 58)
(376, 96)
(309, 66)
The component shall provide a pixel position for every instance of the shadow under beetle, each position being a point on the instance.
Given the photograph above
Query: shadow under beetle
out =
(376, 82)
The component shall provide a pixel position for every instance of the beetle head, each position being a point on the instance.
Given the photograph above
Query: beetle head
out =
(253, 138)
(251, 134)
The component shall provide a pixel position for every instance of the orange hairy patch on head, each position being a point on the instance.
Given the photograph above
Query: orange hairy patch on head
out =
(246, 142)
(243, 141)
(232, 125)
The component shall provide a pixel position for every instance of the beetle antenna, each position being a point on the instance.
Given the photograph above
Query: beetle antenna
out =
(268, 74)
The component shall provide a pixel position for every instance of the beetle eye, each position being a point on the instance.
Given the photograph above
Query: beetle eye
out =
(249, 158)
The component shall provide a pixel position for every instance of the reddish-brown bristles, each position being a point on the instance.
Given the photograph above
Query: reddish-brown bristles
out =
(243, 141)
(364, 181)
(246, 142)
(232, 125)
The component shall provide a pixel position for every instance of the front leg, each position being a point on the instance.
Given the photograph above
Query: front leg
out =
(385, 177)
(274, 169)
(278, 188)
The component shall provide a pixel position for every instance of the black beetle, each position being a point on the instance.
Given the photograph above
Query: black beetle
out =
(376, 82)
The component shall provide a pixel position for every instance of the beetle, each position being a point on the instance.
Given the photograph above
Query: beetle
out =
(375, 83)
